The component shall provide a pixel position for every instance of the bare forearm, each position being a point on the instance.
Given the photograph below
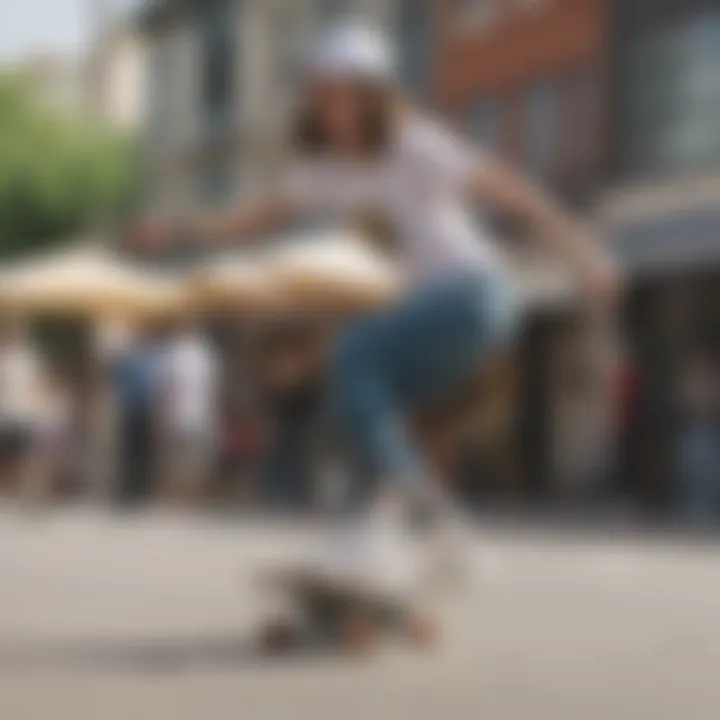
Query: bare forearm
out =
(507, 190)
(598, 275)
(240, 223)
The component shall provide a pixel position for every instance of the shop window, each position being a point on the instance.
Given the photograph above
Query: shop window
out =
(672, 98)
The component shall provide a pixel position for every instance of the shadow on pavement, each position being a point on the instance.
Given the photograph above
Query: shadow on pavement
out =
(149, 656)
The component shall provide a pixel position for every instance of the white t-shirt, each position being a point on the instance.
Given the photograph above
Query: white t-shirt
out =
(189, 382)
(418, 185)
(20, 385)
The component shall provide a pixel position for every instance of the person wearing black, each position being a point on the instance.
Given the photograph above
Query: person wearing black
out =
(137, 377)
(294, 397)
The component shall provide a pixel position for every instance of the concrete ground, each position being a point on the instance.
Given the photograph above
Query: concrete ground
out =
(108, 617)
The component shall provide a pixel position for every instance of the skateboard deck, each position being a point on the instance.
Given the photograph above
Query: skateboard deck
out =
(340, 613)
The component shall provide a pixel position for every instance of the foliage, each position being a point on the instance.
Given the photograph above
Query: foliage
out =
(59, 173)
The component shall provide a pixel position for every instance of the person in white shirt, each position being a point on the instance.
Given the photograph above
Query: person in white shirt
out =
(189, 412)
(360, 146)
(21, 384)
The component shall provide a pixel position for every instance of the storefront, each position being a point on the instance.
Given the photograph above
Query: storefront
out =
(544, 417)
(671, 321)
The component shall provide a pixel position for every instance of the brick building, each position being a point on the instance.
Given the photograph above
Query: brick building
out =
(221, 77)
(614, 105)
(528, 79)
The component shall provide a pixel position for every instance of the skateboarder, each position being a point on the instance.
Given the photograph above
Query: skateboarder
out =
(359, 146)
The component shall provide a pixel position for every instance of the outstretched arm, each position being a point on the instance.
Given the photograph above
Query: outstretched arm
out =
(238, 223)
(256, 217)
(500, 186)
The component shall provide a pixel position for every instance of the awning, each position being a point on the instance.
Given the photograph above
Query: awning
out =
(237, 283)
(86, 280)
(679, 240)
(335, 268)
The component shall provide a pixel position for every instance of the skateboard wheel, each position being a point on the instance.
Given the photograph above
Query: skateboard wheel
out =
(423, 630)
(359, 635)
(278, 636)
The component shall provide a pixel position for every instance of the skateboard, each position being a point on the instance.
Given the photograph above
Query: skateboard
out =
(323, 612)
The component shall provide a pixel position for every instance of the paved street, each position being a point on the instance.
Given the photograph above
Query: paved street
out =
(105, 618)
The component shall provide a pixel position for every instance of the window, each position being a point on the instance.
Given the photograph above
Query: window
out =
(218, 38)
(543, 129)
(161, 81)
(582, 117)
(579, 152)
(672, 98)
(415, 44)
(485, 123)
(476, 14)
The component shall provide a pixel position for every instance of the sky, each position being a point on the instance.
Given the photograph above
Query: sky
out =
(31, 26)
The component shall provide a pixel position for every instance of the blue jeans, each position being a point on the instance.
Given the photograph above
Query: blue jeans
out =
(392, 363)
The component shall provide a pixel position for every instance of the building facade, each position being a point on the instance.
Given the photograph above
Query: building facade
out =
(661, 212)
(529, 81)
(222, 76)
(615, 106)
(120, 96)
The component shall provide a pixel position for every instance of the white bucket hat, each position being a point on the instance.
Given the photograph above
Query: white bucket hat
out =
(352, 51)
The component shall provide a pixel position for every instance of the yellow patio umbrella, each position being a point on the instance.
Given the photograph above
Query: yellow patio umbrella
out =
(238, 283)
(89, 281)
(333, 270)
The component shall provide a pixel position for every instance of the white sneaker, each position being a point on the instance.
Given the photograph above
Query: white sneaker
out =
(450, 552)
(375, 552)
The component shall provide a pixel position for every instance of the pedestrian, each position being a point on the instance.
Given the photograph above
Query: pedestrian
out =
(294, 399)
(698, 487)
(53, 442)
(360, 144)
(189, 413)
(21, 388)
(137, 376)
(243, 435)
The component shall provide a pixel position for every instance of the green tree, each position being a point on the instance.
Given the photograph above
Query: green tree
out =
(59, 173)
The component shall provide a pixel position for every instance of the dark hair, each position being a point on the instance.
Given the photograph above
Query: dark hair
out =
(309, 137)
